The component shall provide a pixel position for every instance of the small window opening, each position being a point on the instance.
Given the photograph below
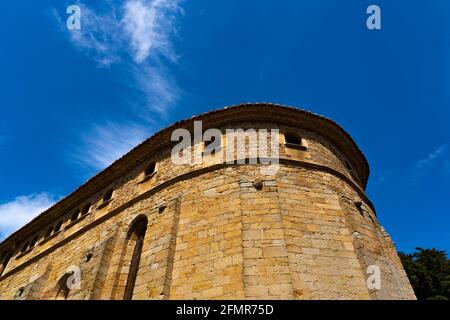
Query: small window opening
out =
(58, 226)
(86, 209)
(293, 139)
(25, 247)
(20, 292)
(33, 241)
(89, 255)
(108, 195)
(258, 184)
(49, 232)
(359, 206)
(75, 215)
(151, 169)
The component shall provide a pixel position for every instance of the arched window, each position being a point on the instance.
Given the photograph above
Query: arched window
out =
(135, 241)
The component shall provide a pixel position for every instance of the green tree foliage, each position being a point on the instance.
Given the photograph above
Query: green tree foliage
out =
(428, 271)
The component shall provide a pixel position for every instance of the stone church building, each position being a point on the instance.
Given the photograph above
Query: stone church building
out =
(145, 228)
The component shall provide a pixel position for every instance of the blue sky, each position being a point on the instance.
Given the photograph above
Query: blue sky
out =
(73, 101)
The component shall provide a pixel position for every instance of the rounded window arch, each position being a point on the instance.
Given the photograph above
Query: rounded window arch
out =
(138, 226)
(214, 140)
(133, 250)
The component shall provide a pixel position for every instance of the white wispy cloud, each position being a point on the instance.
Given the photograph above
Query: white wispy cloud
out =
(156, 86)
(135, 35)
(100, 36)
(149, 25)
(140, 28)
(436, 159)
(104, 143)
(21, 210)
(432, 157)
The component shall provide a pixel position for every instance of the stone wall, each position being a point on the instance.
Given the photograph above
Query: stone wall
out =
(220, 231)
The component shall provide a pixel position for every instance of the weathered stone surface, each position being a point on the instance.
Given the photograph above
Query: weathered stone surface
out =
(212, 232)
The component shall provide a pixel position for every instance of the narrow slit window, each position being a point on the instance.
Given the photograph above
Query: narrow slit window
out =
(135, 243)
